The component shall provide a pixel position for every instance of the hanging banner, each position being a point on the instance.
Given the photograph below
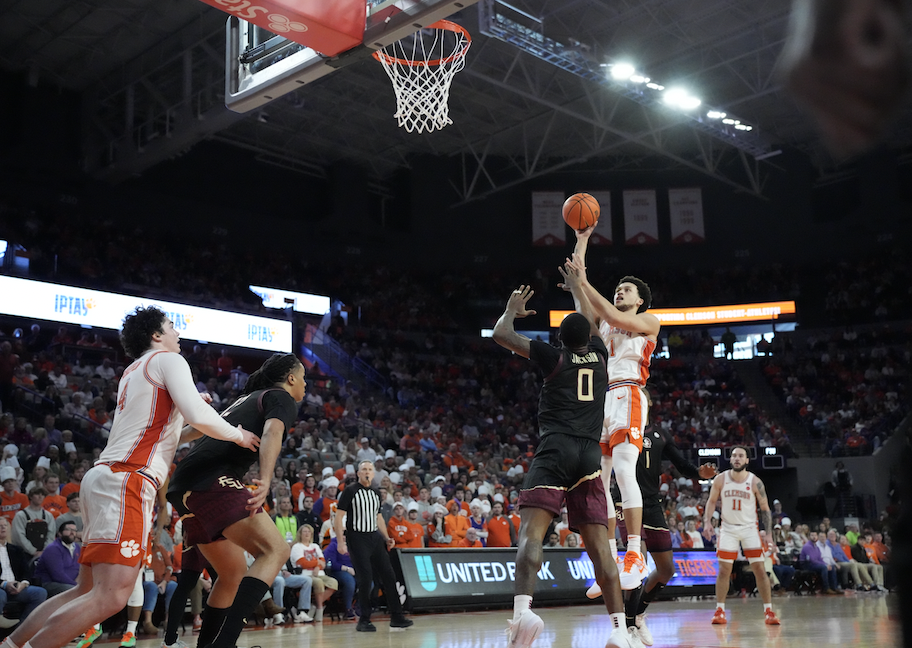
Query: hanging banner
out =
(686, 209)
(548, 226)
(602, 234)
(641, 222)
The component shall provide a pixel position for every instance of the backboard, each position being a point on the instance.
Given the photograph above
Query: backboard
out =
(262, 65)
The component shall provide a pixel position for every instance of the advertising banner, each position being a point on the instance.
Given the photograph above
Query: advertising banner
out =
(641, 220)
(548, 226)
(760, 312)
(84, 307)
(300, 302)
(448, 577)
(686, 209)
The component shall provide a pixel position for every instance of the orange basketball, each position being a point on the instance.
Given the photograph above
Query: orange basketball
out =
(580, 211)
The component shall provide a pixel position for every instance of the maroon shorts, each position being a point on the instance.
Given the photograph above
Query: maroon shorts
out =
(655, 534)
(207, 513)
(567, 469)
(192, 558)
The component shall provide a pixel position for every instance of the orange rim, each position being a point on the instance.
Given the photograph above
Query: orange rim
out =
(383, 57)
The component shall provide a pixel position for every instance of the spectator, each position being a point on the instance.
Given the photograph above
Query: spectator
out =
(307, 555)
(865, 563)
(75, 482)
(54, 503)
(73, 514)
(811, 560)
(501, 532)
(339, 566)
(306, 487)
(471, 539)
(326, 505)
(780, 575)
(398, 529)
(571, 541)
(59, 564)
(33, 526)
(848, 566)
(292, 576)
(413, 523)
(159, 581)
(842, 479)
(286, 522)
(13, 583)
(437, 535)
(553, 541)
(424, 506)
(307, 516)
(457, 523)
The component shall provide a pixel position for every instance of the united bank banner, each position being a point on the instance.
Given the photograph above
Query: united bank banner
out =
(80, 306)
(448, 576)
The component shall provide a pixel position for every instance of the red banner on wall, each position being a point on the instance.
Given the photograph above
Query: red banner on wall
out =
(641, 221)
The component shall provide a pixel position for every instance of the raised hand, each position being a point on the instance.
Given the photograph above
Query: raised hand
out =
(518, 300)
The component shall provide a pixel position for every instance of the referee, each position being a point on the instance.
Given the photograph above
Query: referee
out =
(365, 530)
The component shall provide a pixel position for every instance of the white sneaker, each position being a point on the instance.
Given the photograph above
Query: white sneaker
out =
(318, 615)
(594, 592)
(633, 637)
(278, 619)
(619, 638)
(302, 617)
(633, 572)
(523, 632)
(176, 644)
(643, 631)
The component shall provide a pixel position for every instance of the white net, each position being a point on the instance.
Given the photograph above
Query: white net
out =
(422, 68)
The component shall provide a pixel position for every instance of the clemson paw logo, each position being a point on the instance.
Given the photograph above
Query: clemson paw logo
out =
(90, 304)
(635, 432)
(281, 24)
(188, 319)
(129, 548)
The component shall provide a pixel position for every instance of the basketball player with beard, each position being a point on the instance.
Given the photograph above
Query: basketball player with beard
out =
(630, 334)
(740, 492)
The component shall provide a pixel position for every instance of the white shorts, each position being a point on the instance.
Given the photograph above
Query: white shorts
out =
(745, 537)
(626, 413)
(117, 515)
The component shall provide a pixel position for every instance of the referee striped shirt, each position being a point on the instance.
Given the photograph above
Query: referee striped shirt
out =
(361, 504)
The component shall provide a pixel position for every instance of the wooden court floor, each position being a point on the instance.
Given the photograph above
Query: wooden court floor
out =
(864, 620)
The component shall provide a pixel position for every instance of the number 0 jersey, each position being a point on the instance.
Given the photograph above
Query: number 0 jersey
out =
(572, 398)
(739, 506)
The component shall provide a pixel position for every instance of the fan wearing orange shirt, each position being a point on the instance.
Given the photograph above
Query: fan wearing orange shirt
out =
(413, 524)
(454, 458)
(54, 503)
(501, 532)
(398, 528)
(471, 540)
(11, 500)
(75, 482)
(457, 522)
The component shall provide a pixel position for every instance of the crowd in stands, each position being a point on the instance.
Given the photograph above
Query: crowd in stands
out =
(848, 388)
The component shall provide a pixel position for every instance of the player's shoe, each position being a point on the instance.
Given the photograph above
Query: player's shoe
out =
(719, 617)
(128, 640)
(770, 618)
(594, 592)
(89, 637)
(642, 630)
(633, 572)
(176, 644)
(523, 632)
(634, 638)
(620, 638)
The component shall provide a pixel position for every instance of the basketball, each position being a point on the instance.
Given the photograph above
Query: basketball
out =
(580, 211)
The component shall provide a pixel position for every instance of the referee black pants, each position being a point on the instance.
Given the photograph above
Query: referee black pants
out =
(371, 561)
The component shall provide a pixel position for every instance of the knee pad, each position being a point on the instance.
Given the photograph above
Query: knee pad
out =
(625, 460)
(137, 596)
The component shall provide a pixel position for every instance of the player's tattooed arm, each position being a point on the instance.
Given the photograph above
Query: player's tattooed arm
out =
(766, 515)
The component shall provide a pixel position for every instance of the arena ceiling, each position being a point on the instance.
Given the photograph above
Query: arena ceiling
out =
(152, 78)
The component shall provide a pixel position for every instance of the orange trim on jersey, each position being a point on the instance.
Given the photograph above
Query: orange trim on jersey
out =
(131, 530)
(727, 555)
(146, 370)
(645, 359)
(634, 420)
(149, 438)
(752, 553)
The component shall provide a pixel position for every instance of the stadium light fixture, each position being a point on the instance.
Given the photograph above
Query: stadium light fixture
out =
(622, 71)
(715, 114)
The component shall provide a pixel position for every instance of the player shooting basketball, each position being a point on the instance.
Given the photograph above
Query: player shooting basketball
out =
(630, 334)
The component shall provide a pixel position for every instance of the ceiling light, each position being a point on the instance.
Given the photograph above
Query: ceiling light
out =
(730, 121)
(715, 114)
(743, 127)
(689, 103)
(655, 86)
(639, 78)
(673, 96)
(622, 71)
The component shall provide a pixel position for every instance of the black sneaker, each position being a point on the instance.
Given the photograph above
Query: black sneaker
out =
(366, 626)
(401, 623)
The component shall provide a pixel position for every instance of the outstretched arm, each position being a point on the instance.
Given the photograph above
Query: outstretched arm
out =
(604, 309)
(573, 283)
(504, 333)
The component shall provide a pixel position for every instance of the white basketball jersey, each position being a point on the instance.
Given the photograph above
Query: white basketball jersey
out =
(739, 506)
(147, 425)
(629, 354)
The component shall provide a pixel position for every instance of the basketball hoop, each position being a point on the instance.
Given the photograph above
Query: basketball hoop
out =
(421, 67)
